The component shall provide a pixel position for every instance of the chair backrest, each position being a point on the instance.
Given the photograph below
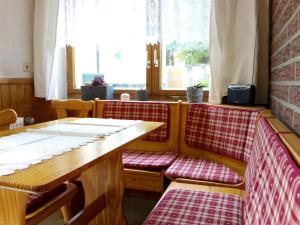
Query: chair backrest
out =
(224, 130)
(272, 181)
(147, 111)
(7, 117)
(72, 107)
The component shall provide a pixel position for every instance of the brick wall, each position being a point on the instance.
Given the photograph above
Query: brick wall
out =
(285, 62)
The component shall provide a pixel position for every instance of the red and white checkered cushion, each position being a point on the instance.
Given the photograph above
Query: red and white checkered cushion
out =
(147, 111)
(263, 135)
(227, 131)
(254, 117)
(273, 194)
(179, 207)
(148, 160)
(198, 169)
(37, 200)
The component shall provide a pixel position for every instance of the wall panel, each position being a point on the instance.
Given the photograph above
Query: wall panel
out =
(17, 93)
(285, 62)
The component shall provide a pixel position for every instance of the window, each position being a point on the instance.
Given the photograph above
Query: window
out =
(161, 45)
(185, 28)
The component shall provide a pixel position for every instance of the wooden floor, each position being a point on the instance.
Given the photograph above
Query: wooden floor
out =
(54, 219)
(137, 207)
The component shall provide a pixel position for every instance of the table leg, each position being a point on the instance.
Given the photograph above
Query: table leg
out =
(12, 207)
(107, 178)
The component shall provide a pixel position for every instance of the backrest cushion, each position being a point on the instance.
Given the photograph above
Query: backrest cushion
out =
(224, 130)
(272, 181)
(147, 111)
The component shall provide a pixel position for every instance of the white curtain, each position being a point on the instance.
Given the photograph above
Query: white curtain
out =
(49, 56)
(238, 51)
(153, 21)
(109, 38)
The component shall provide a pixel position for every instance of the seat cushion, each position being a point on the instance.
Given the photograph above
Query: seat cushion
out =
(147, 111)
(37, 200)
(223, 130)
(198, 169)
(180, 206)
(148, 160)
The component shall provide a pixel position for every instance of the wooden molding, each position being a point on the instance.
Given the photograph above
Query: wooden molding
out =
(24, 80)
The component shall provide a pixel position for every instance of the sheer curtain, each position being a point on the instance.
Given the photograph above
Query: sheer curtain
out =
(238, 46)
(109, 37)
(49, 52)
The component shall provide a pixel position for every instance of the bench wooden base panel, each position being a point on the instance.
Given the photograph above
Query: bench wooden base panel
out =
(208, 183)
(144, 180)
(197, 187)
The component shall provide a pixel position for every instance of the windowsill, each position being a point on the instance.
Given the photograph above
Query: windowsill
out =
(179, 95)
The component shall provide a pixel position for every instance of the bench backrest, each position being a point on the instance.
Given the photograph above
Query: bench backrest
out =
(227, 131)
(272, 181)
(7, 117)
(147, 111)
(72, 108)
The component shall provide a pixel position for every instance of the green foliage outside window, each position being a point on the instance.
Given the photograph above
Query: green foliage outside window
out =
(190, 53)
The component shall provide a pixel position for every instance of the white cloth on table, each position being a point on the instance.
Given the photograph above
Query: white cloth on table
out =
(77, 130)
(39, 147)
(106, 122)
(19, 151)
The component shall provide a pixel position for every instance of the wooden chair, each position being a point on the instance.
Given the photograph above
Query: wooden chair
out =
(72, 107)
(7, 117)
(60, 200)
(40, 206)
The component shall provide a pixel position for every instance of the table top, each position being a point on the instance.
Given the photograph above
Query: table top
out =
(50, 173)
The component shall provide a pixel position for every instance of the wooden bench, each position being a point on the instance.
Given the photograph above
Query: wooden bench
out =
(204, 157)
(271, 195)
(214, 144)
(145, 161)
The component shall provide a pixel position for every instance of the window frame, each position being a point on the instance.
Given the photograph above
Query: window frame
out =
(152, 73)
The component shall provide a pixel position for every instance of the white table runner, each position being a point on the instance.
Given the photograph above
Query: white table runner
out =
(20, 139)
(106, 122)
(23, 155)
(77, 130)
(21, 150)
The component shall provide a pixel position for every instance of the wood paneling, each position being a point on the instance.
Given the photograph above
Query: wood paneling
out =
(144, 180)
(17, 93)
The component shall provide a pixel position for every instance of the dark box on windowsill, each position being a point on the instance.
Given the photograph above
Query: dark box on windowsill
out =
(241, 94)
(89, 92)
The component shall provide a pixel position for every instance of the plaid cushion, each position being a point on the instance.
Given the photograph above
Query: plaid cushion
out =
(147, 111)
(254, 117)
(261, 143)
(37, 200)
(199, 169)
(226, 131)
(273, 182)
(148, 160)
(179, 207)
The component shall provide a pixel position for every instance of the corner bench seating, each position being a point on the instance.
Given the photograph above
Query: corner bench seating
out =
(208, 129)
(271, 196)
(145, 161)
(213, 143)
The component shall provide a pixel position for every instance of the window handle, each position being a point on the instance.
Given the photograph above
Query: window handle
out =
(155, 58)
(148, 62)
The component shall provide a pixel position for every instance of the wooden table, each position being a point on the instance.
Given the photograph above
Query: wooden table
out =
(98, 164)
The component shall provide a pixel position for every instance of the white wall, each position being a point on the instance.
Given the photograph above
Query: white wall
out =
(16, 37)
